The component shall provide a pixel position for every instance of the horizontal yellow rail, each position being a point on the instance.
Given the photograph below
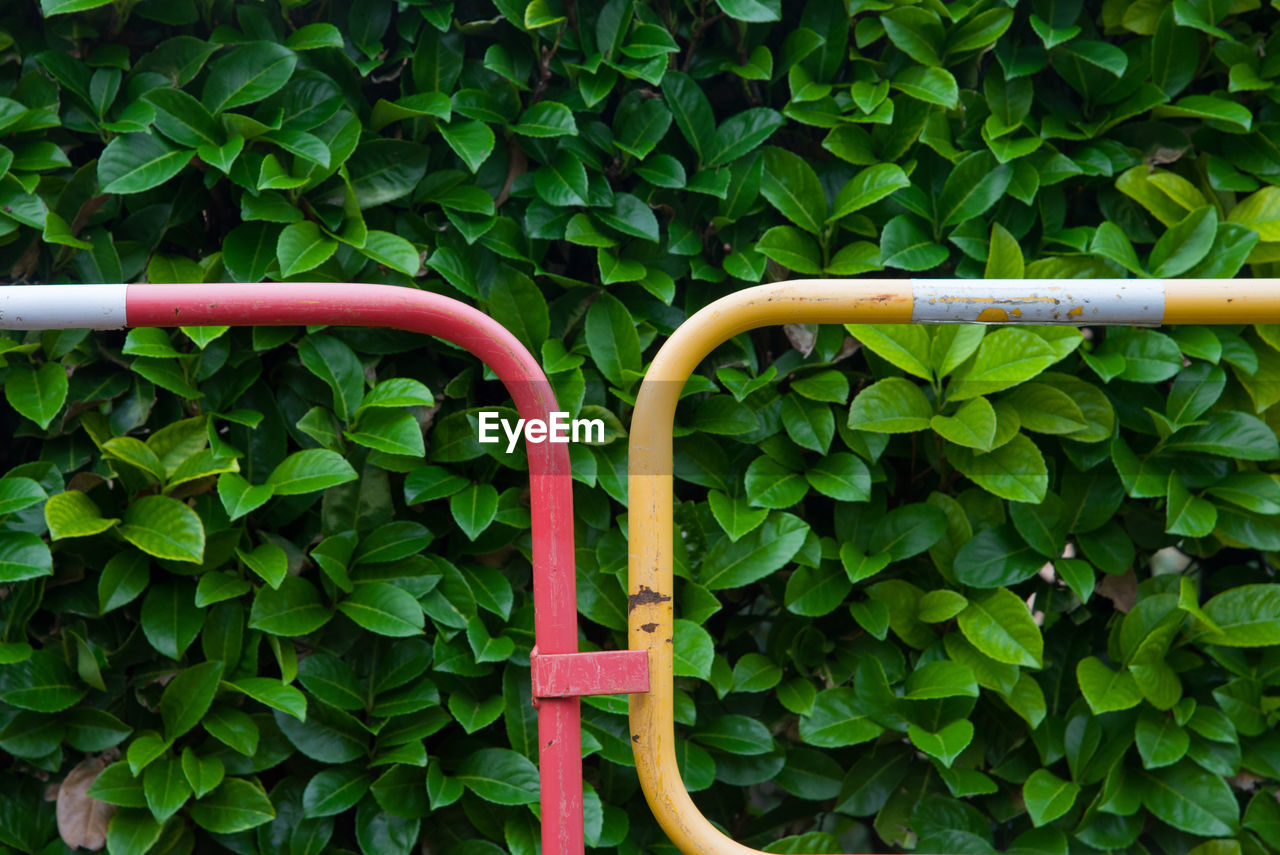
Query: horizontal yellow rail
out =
(815, 301)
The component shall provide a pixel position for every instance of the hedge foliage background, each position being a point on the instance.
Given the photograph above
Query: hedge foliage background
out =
(953, 589)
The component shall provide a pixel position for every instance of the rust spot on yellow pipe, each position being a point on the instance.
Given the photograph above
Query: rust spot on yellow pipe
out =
(991, 316)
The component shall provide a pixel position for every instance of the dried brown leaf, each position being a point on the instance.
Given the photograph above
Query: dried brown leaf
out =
(802, 337)
(82, 820)
(1121, 590)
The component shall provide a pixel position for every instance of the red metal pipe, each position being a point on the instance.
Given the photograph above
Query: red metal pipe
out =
(551, 494)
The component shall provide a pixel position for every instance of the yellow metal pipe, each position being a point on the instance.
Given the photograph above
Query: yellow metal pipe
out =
(651, 616)
(1221, 301)
(650, 605)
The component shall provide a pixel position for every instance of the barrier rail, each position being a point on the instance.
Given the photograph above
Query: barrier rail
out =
(560, 673)
(886, 301)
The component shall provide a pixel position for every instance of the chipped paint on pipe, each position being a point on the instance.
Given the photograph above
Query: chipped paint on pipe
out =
(1022, 301)
(60, 307)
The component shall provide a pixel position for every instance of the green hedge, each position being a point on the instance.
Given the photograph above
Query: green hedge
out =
(940, 589)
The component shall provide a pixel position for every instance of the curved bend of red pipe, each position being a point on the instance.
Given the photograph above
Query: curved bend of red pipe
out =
(551, 495)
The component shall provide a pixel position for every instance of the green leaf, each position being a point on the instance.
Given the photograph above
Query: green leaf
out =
(1111, 242)
(1192, 799)
(930, 85)
(1106, 690)
(814, 592)
(771, 485)
(731, 564)
(268, 561)
(743, 132)
(37, 393)
(73, 514)
(753, 11)
(500, 775)
(1187, 514)
(546, 119)
(471, 140)
(906, 245)
(302, 247)
(917, 32)
(946, 744)
(124, 577)
(975, 184)
(247, 75)
(390, 431)
(791, 186)
(612, 339)
(291, 610)
(132, 832)
(515, 301)
(236, 805)
(692, 112)
(867, 187)
(474, 508)
(907, 531)
(275, 694)
(1005, 358)
(184, 120)
(1004, 255)
(188, 697)
(165, 787)
(64, 7)
(1047, 796)
(892, 405)
(204, 774)
(384, 609)
(1000, 625)
(735, 734)
(239, 497)
(250, 249)
(1185, 244)
(1160, 740)
(334, 791)
(1015, 471)
(308, 471)
(1211, 108)
(995, 558)
(905, 345)
(1260, 212)
(215, 587)
(1228, 434)
(791, 248)
(841, 476)
(164, 527)
(643, 127)
(391, 250)
(42, 683)
(1246, 616)
(973, 425)
(836, 721)
(132, 163)
(116, 785)
(170, 619)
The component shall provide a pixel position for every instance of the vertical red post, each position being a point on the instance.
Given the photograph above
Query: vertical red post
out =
(550, 483)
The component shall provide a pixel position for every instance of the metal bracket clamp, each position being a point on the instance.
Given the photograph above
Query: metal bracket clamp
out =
(601, 672)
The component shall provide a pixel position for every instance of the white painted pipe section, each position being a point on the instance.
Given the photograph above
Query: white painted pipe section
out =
(1038, 301)
(60, 307)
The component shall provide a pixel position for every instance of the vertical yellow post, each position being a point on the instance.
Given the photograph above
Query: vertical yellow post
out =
(651, 614)
(651, 607)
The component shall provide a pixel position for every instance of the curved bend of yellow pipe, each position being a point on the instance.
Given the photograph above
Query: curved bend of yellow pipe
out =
(650, 587)
(650, 619)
